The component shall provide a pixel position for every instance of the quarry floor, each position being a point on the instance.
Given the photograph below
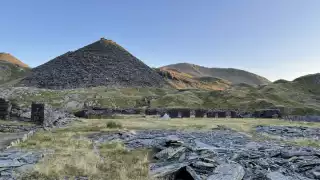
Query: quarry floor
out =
(75, 153)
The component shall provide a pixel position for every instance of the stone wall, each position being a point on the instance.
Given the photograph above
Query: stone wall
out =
(199, 113)
(184, 113)
(212, 114)
(303, 118)
(267, 113)
(173, 113)
(233, 114)
(5, 109)
(180, 112)
(222, 114)
(151, 112)
(37, 113)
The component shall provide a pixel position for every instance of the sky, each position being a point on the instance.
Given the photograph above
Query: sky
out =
(277, 39)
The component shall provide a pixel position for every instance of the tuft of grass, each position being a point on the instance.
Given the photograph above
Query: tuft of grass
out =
(114, 125)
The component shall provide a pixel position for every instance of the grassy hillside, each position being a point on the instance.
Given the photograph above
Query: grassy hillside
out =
(13, 60)
(180, 80)
(235, 76)
(11, 68)
(9, 72)
(290, 97)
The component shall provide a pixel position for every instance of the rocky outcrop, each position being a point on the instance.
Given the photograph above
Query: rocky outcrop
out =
(102, 63)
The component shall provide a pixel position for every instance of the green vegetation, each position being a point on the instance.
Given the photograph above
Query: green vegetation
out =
(114, 125)
(9, 72)
(232, 75)
(290, 98)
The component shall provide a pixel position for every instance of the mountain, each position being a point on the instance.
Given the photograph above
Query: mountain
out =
(102, 63)
(13, 60)
(11, 68)
(234, 76)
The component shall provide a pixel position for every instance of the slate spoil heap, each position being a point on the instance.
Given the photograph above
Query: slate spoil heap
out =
(218, 155)
(102, 63)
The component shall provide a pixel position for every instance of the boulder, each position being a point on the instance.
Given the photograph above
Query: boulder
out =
(228, 172)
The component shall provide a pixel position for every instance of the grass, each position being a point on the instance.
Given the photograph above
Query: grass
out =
(113, 124)
(294, 141)
(15, 123)
(74, 155)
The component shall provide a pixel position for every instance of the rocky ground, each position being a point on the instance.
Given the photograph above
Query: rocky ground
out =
(290, 132)
(14, 162)
(219, 154)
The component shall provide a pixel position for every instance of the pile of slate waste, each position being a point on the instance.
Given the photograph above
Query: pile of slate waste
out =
(290, 132)
(220, 154)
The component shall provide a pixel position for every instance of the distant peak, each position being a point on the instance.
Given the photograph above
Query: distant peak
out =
(11, 59)
(104, 40)
(101, 46)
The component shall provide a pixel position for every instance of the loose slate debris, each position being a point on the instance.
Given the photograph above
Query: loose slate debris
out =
(219, 154)
(228, 172)
(14, 162)
(290, 131)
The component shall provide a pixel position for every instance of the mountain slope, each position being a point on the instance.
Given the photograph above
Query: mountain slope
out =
(102, 63)
(11, 59)
(181, 80)
(289, 97)
(235, 76)
(11, 68)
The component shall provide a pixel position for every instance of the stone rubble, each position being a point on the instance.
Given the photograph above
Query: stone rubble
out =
(14, 162)
(218, 154)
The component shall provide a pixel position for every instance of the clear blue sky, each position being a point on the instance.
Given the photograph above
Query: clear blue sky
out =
(273, 38)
